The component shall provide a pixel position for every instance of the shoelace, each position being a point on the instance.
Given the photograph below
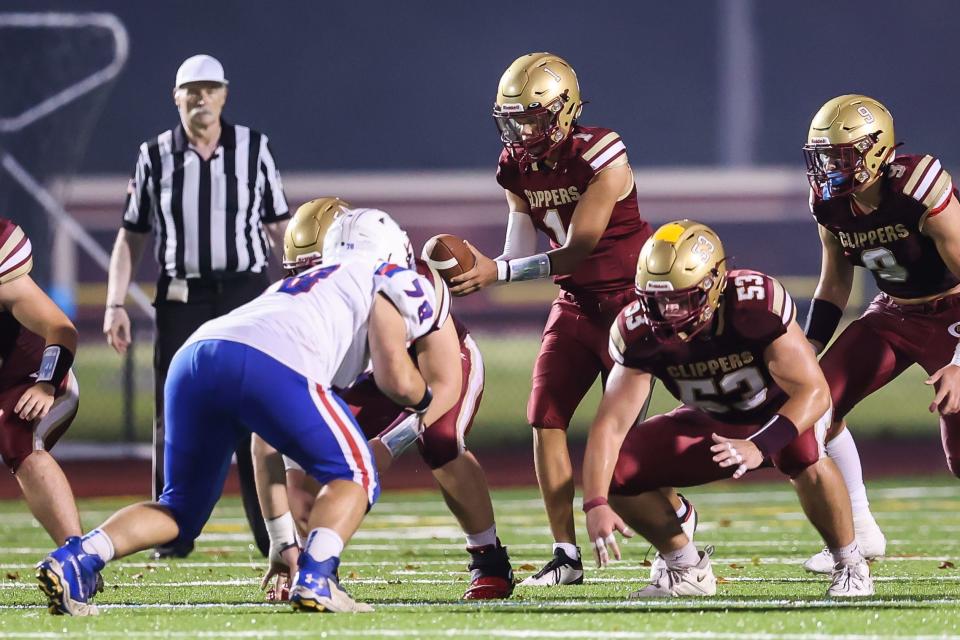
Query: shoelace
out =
(555, 565)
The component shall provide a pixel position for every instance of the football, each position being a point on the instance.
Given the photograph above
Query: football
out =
(449, 255)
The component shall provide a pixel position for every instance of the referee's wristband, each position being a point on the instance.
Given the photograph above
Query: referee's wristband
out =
(424, 404)
(777, 433)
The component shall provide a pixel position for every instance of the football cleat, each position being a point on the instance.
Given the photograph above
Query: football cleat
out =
(851, 581)
(69, 577)
(873, 545)
(689, 526)
(316, 588)
(697, 580)
(562, 569)
(491, 576)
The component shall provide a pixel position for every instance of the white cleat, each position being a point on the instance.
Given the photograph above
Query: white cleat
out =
(689, 526)
(873, 545)
(697, 580)
(328, 596)
(562, 569)
(851, 581)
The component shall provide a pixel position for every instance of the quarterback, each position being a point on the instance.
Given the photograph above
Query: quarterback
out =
(896, 215)
(726, 345)
(574, 184)
(39, 395)
(448, 358)
(270, 367)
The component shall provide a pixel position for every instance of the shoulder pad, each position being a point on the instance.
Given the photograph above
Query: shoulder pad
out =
(16, 253)
(923, 179)
(758, 306)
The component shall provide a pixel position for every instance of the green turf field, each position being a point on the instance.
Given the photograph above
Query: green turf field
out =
(899, 409)
(408, 561)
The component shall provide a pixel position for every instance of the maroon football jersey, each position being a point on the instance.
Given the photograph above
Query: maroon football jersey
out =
(20, 349)
(904, 262)
(552, 194)
(721, 370)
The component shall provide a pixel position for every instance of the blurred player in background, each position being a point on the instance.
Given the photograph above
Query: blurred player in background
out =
(328, 229)
(574, 184)
(270, 367)
(211, 193)
(39, 395)
(897, 215)
(725, 344)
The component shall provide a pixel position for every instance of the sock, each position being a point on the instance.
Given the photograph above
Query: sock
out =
(484, 538)
(849, 554)
(323, 544)
(685, 556)
(98, 543)
(843, 451)
(683, 509)
(568, 548)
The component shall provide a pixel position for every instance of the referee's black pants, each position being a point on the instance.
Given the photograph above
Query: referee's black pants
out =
(207, 298)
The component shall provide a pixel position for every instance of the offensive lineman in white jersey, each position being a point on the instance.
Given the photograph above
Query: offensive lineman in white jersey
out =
(268, 367)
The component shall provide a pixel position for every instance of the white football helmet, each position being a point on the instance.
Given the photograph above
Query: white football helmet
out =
(369, 232)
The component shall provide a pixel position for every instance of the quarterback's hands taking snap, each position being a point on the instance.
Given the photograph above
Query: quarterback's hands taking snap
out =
(483, 274)
(946, 381)
(282, 563)
(116, 326)
(602, 521)
(35, 401)
(742, 453)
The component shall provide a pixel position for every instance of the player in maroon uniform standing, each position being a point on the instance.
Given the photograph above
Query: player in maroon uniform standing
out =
(450, 361)
(726, 345)
(39, 395)
(896, 215)
(574, 184)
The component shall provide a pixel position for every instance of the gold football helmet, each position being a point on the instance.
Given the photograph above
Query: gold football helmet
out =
(303, 239)
(680, 278)
(850, 141)
(538, 102)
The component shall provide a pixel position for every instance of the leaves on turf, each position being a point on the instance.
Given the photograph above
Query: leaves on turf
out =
(353, 575)
(722, 580)
(527, 567)
(734, 565)
(946, 564)
(13, 575)
(646, 563)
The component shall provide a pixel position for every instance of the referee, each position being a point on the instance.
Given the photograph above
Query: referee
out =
(211, 193)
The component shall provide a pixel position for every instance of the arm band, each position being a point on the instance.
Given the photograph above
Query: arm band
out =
(401, 435)
(956, 356)
(775, 435)
(421, 407)
(529, 268)
(55, 365)
(593, 504)
(283, 534)
(822, 320)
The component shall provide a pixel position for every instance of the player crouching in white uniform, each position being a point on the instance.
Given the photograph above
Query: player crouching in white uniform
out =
(269, 367)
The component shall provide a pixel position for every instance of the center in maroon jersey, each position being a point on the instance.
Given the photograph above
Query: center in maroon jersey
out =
(552, 194)
(721, 371)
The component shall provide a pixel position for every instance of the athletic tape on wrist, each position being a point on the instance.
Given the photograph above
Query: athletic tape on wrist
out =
(956, 356)
(503, 270)
(775, 435)
(55, 364)
(529, 268)
(283, 534)
(400, 436)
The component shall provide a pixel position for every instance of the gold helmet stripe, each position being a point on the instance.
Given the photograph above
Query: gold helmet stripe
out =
(669, 232)
(600, 146)
(917, 174)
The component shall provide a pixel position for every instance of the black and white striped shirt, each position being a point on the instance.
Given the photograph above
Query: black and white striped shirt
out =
(208, 214)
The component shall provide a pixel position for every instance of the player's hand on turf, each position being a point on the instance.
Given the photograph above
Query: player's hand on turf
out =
(946, 381)
(35, 401)
(483, 274)
(281, 568)
(740, 453)
(602, 521)
(116, 326)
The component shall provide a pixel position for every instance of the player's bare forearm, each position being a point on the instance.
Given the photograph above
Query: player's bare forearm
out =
(37, 312)
(438, 358)
(270, 477)
(393, 368)
(127, 250)
(623, 398)
(795, 370)
(836, 272)
(590, 219)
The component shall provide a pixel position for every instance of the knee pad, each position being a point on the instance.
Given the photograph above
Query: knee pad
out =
(799, 455)
(437, 449)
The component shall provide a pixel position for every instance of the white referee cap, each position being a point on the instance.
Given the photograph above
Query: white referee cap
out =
(200, 68)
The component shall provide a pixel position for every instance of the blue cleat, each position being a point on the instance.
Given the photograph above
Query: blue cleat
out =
(316, 588)
(70, 577)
